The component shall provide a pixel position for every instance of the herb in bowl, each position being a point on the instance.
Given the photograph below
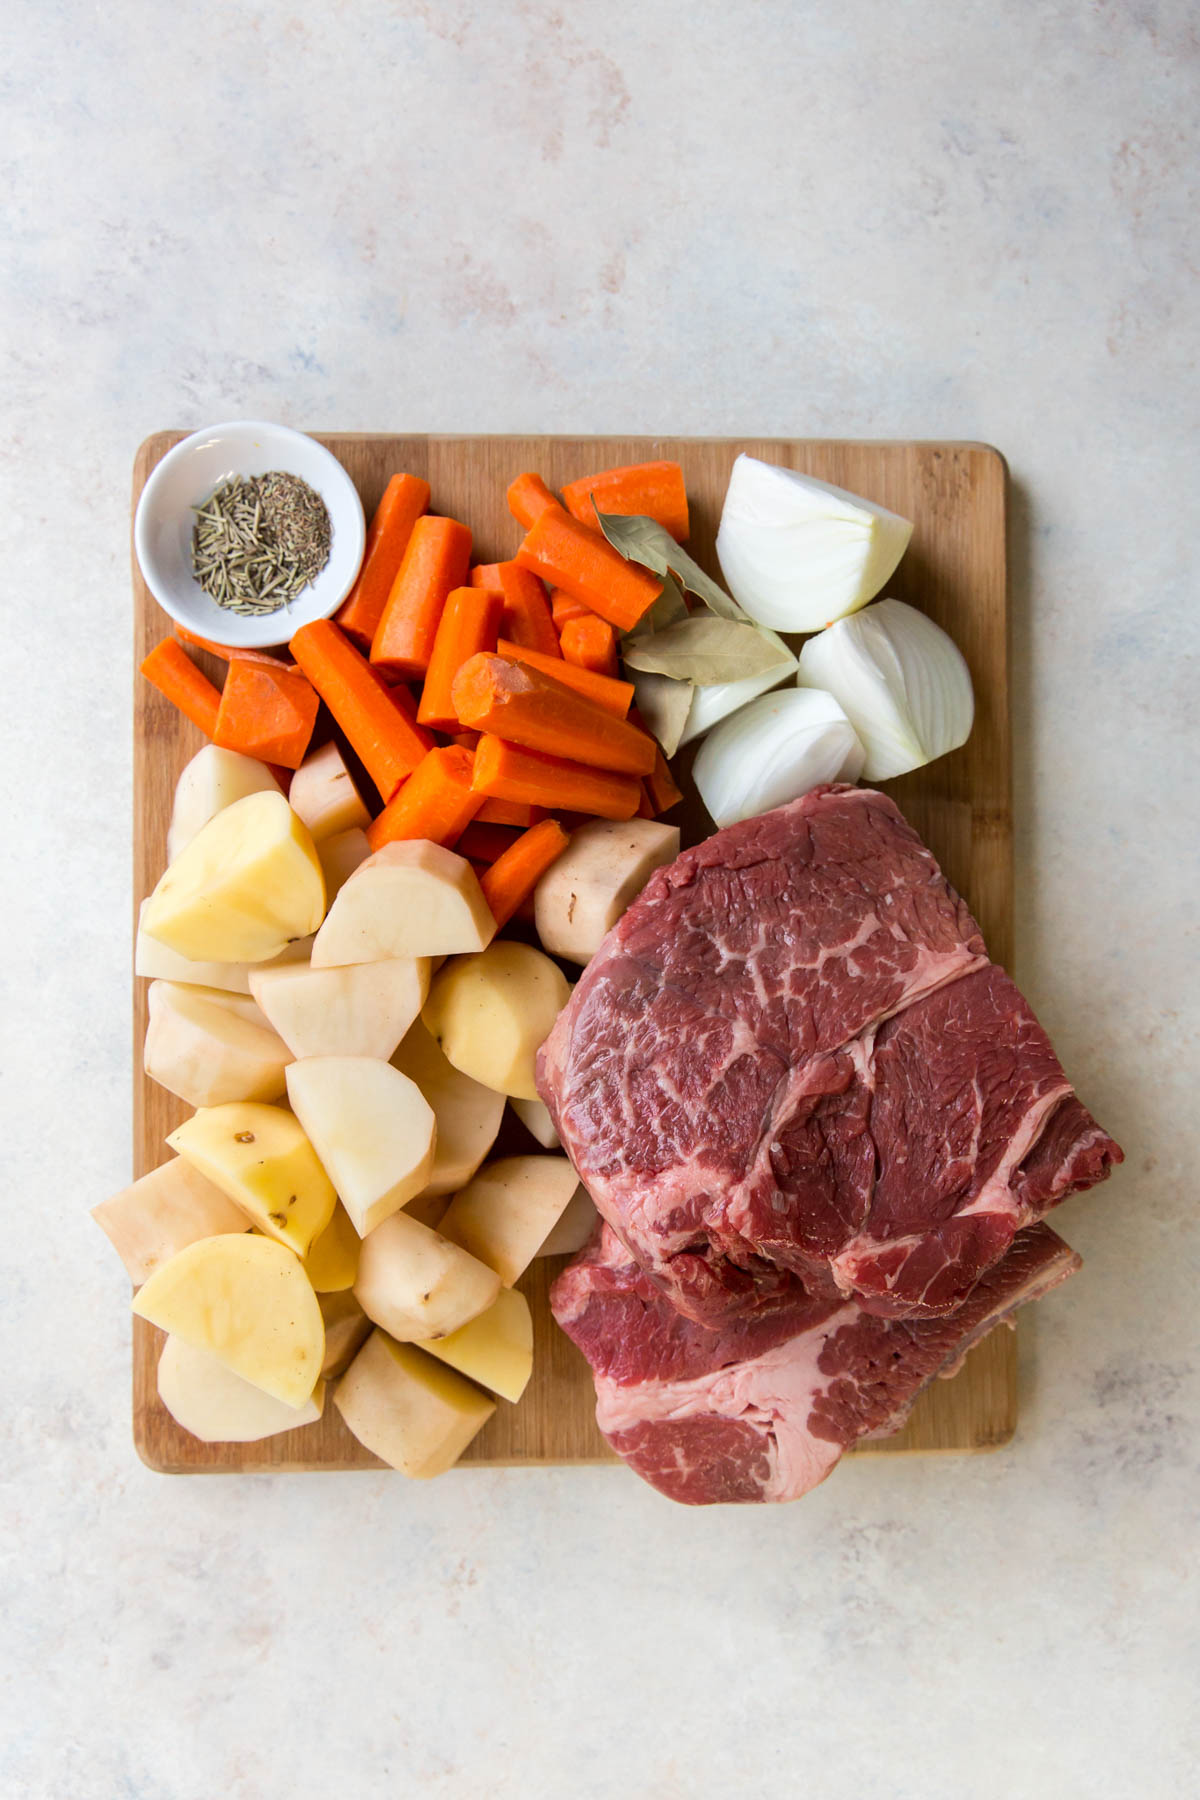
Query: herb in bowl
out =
(259, 540)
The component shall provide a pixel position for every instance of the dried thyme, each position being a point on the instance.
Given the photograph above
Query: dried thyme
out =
(259, 540)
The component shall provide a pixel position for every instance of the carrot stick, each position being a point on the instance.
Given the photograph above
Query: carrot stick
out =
(506, 772)
(470, 622)
(174, 674)
(525, 707)
(660, 785)
(436, 802)
(567, 555)
(615, 697)
(374, 718)
(654, 490)
(563, 609)
(591, 644)
(529, 498)
(227, 652)
(527, 620)
(485, 843)
(435, 563)
(404, 500)
(486, 575)
(513, 876)
(646, 805)
(509, 812)
(266, 713)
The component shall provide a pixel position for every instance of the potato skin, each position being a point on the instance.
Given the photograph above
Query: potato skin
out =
(492, 1012)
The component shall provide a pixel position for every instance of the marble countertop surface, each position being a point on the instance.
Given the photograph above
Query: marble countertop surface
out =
(871, 220)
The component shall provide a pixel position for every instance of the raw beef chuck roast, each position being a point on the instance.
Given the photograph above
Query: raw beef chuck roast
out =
(822, 1129)
(791, 1066)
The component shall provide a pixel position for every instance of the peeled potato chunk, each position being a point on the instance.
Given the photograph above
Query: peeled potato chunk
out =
(409, 899)
(155, 1218)
(248, 1301)
(339, 856)
(213, 780)
(323, 793)
(571, 1231)
(346, 1329)
(371, 1128)
(260, 1157)
(600, 873)
(154, 960)
(535, 1117)
(201, 1046)
(416, 1285)
(492, 1012)
(248, 883)
(413, 1412)
(468, 1114)
(332, 1262)
(495, 1349)
(205, 1396)
(504, 1215)
(363, 1009)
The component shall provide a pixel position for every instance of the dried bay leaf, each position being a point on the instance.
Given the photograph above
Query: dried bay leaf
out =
(706, 651)
(647, 542)
(664, 705)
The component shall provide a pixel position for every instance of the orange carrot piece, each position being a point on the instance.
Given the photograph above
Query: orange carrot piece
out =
(174, 674)
(661, 786)
(405, 498)
(645, 804)
(591, 644)
(374, 718)
(266, 713)
(435, 563)
(470, 622)
(227, 652)
(563, 609)
(527, 619)
(507, 772)
(436, 802)
(509, 812)
(567, 554)
(615, 697)
(522, 705)
(652, 490)
(513, 876)
(484, 843)
(529, 498)
(486, 575)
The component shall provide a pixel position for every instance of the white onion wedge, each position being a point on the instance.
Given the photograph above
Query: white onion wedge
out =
(712, 704)
(901, 681)
(774, 750)
(798, 553)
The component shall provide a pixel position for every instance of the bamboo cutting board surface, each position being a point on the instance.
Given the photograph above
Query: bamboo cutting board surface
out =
(954, 570)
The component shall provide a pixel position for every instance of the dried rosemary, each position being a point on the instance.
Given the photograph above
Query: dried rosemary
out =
(259, 540)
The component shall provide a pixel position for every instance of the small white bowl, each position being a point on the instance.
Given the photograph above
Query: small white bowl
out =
(187, 475)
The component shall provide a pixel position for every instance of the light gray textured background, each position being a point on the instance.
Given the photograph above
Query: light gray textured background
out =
(872, 218)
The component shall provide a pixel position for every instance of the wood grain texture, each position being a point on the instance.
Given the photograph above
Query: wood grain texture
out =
(954, 570)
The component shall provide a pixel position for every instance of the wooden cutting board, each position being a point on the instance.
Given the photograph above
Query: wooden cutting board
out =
(954, 570)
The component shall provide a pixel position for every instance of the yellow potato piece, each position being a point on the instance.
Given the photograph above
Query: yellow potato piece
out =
(468, 1114)
(260, 1157)
(155, 1218)
(409, 899)
(598, 876)
(340, 855)
(492, 1012)
(332, 1262)
(154, 960)
(248, 883)
(505, 1214)
(205, 1396)
(346, 1329)
(363, 1009)
(495, 1349)
(248, 1301)
(323, 794)
(371, 1128)
(213, 780)
(416, 1284)
(413, 1412)
(201, 1046)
